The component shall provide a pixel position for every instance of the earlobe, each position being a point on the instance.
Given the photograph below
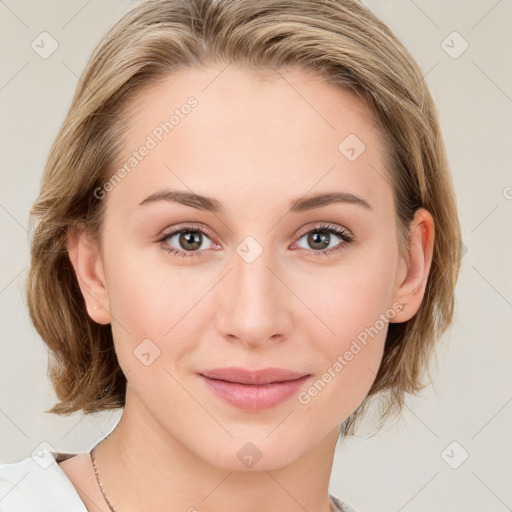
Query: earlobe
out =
(411, 289)
(86, 260)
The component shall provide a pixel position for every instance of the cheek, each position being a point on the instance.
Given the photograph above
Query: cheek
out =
(354, 309)
(160, 315)
(350, 364)
(150, 296)
(346, 299)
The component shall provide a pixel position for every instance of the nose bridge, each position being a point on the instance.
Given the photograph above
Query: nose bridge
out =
(253, 304)
(252, 274)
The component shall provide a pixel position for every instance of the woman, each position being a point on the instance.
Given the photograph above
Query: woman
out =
(247, 230)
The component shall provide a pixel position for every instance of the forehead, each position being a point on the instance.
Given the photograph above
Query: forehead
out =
(251, 132)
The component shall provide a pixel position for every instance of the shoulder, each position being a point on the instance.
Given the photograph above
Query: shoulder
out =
(341, 506)
(37, 483)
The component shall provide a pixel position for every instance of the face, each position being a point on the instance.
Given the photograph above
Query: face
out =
(260, 275)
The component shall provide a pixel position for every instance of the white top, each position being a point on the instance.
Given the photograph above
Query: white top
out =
(38, 484)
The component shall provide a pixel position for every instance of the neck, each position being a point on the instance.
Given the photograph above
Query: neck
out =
(142, 466)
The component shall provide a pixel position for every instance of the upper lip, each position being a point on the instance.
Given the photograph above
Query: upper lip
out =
(246, 376)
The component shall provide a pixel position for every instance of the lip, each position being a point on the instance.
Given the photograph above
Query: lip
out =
(246, 376)
(253, 389)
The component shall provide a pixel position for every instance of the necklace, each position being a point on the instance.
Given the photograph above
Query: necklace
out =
(110, 506)
(99, 481)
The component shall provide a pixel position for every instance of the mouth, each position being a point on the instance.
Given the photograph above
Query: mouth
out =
(253, 390)
(246, 376)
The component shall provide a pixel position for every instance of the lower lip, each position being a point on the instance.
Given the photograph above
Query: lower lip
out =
(252, 397)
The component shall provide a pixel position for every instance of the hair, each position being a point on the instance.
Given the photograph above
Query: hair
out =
(340, 40)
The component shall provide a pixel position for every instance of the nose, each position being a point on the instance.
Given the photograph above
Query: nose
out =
(255, 305)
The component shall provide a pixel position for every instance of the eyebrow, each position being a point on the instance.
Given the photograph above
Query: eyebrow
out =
(318, 200)
(186, 198)
(212, 205)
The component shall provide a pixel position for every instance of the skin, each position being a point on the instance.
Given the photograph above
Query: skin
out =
(255, 141)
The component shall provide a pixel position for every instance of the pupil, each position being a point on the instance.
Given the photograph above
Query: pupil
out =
(190, 237)
(320, 237)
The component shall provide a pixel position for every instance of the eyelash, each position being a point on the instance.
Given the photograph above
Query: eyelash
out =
(345, 235)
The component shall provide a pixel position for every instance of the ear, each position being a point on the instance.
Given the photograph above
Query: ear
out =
(86, 260)
(414, 269)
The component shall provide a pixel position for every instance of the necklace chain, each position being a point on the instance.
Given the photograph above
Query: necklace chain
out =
(110, 506)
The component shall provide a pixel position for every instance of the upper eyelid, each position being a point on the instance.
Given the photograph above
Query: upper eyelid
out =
(324, 225)
(179, 228)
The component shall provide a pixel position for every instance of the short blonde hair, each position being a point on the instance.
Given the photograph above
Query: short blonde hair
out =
(341, 40)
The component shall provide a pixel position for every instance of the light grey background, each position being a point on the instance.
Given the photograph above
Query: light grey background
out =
(406, 467)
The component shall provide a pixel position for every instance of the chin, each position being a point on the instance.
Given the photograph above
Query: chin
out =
(241, 454)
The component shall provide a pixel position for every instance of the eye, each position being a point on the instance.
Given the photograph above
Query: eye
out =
(320, 238)
(189, 239)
